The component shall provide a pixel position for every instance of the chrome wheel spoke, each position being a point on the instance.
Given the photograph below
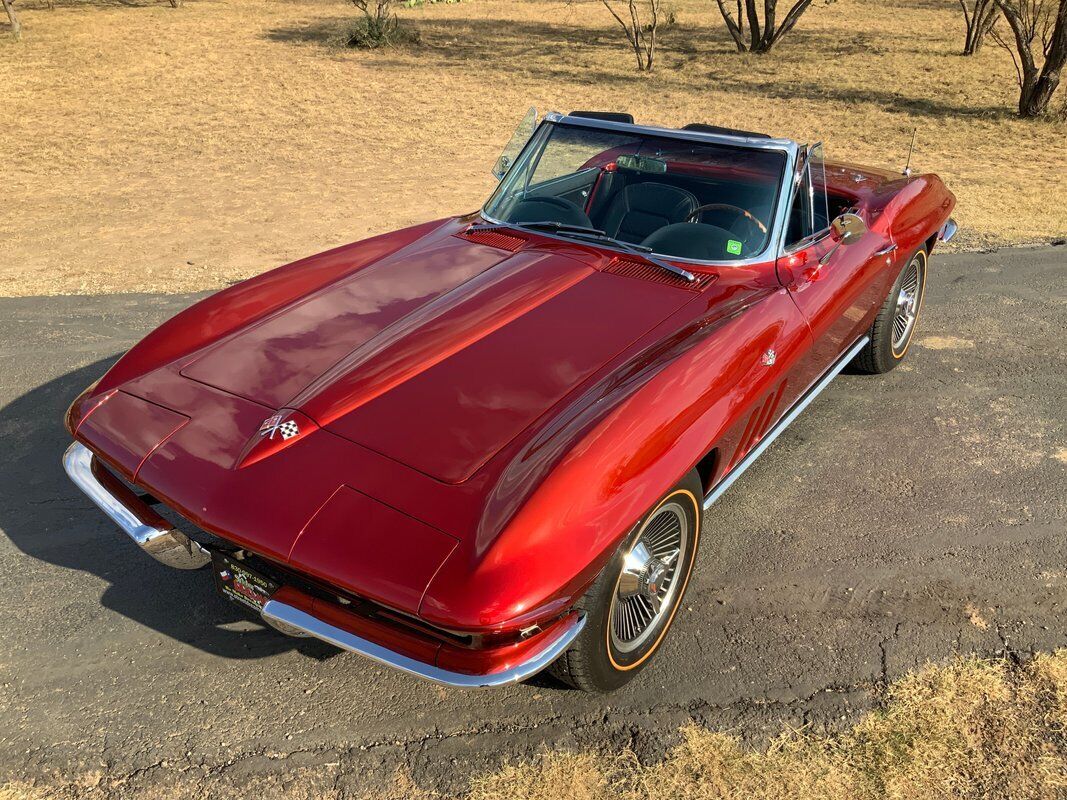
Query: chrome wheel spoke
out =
(907, 305)
(646, 589)
(655, 603)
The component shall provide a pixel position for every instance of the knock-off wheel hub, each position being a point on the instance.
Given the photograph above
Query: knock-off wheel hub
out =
(644, 575)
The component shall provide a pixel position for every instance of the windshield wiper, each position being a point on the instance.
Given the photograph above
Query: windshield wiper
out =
(584, 232)
(551, 225)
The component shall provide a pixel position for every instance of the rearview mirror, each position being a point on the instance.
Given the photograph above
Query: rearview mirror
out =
(847, 228)
(642, 164)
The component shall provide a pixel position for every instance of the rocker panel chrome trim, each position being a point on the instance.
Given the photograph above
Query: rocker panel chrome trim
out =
(813, 391)
(275, 611)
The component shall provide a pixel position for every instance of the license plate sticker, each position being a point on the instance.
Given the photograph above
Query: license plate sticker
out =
(242, 585)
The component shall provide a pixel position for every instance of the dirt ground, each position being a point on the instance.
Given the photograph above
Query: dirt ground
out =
(147, 148)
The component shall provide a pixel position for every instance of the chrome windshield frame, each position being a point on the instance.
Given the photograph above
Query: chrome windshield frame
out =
(788, 147)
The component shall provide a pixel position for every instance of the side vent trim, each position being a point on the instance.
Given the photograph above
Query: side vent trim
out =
(758, 425)
(644, 271)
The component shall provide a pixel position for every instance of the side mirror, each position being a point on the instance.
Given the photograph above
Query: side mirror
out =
(844, 230)
(847, 228)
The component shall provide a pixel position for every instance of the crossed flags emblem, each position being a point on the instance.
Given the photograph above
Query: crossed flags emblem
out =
(273, 425)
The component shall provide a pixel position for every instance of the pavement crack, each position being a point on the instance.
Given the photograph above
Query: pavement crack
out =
(883, 682)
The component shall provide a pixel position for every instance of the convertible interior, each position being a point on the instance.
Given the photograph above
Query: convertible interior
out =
(696, 200)
(677, 200)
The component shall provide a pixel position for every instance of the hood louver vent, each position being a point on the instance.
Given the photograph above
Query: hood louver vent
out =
(504, 241)
(644, 271)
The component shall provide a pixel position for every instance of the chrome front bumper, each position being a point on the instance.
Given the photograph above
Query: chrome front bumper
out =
(285, 616)
(163, 542)
(153, 534)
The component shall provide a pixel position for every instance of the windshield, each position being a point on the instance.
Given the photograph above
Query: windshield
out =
(672, 197)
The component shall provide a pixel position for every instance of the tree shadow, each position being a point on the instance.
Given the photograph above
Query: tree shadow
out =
(886, 100)
(519, 46)
(47, 518)
(88, 5)
(320, 31)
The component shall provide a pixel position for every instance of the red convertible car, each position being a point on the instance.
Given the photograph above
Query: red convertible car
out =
(479, 447)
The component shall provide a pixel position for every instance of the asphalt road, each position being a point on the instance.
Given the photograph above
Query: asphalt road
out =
(902, 519)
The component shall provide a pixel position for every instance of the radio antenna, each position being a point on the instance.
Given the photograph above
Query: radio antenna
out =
(907, 166)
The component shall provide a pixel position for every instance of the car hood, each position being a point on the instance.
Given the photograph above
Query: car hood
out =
(440, 354)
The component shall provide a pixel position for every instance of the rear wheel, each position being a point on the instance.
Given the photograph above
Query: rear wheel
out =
(631, 605)
(895, 324)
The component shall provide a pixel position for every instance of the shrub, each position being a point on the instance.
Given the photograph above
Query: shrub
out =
(378, 27)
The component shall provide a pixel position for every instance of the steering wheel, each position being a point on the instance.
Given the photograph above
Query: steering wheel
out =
(541, 208)
(741, 213)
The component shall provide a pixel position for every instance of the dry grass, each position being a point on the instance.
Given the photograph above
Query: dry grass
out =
(148, 148)
(971, 730)
(988, 730)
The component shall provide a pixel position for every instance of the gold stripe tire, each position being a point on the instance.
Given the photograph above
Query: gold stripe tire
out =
(632, 604)
(894, 327)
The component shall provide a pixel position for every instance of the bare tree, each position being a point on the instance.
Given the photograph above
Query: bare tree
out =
(16, 26)
(762, 33)
(641, 35)
(979, 18)
(1039, 32)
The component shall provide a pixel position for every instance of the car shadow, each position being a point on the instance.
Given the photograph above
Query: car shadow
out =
(47, 518)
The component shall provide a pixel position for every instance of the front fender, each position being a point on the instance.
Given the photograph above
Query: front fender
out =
(657, 426)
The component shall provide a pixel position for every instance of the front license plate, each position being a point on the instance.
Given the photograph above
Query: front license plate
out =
(240, 584)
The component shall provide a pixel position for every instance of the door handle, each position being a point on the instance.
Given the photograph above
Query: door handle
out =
(886, 250)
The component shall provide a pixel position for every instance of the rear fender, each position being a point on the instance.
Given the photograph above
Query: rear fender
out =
(912, 214)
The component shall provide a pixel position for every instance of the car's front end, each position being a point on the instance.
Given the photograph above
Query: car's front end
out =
(358, 588)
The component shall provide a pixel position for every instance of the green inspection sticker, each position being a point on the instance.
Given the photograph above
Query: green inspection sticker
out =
(733, 246)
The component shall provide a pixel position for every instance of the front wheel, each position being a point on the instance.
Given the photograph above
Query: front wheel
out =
(632, 603)
(895, 324)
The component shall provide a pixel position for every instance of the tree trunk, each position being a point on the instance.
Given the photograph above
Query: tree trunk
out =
(762, 36)
(768, 25)
(978, 24)
(1036, 86)
(16, 26)
(736, 28)
(753, 25)
(650, 36)
(1034, 99)
(764, 44)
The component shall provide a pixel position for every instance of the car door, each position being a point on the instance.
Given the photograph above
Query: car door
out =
(834, 286)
